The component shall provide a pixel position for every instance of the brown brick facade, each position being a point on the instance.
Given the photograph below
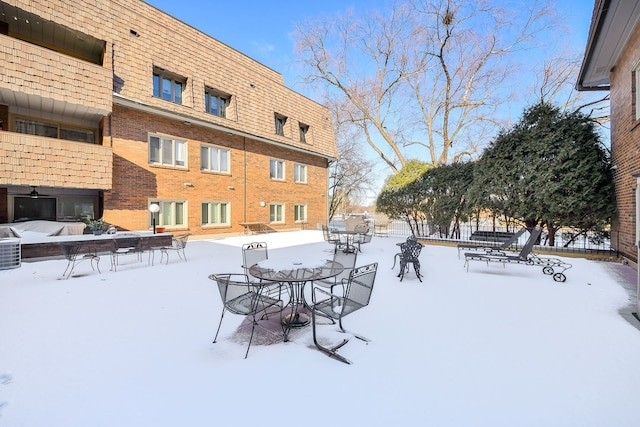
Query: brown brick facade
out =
(625, 148)
(118, 88)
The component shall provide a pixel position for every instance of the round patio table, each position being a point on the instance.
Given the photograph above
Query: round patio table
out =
(295, 275)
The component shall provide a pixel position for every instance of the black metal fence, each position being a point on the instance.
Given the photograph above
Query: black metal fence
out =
(565, 240)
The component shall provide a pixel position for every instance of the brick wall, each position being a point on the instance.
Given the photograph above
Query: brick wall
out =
(625, 146)
(136, 182)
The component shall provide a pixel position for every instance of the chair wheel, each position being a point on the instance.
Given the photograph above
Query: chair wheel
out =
(559, 277)
(547, 270)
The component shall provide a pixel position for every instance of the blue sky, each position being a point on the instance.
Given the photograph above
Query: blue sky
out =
(261, 29)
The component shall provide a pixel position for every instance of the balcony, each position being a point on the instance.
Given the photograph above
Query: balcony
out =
(34, 160)
(36, 77)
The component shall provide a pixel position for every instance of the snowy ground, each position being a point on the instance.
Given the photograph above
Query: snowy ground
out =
(490, 347)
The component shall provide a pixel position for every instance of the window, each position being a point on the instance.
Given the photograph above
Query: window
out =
(280, 122)
(303, 132)
(215, 103)
(276, 169)
(215, 213)
(276, 213)
(172, 213)
(214, 159)
(167, 87)
(300, 173)
(300, 213)
(167, 151)
(635, 91)
(54, 130)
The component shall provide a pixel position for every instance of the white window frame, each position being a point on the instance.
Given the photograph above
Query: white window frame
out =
(165, 144)
(276, 213)
(212, 159)
(276, 169)
(300, 173)
(300, 213)
(169, 213)
(217, 209)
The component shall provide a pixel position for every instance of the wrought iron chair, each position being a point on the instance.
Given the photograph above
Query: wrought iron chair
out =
(178, 244)
(74, 255)
(119, 250)
(357, 294)
(332, 238)
(253, 253)
(399, 254)
(409, 253)
(348, 261)
(243, 297)
(365, 237)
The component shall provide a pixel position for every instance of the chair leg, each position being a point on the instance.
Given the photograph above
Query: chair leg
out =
(72, 264)
(253, 327)
(343, 330)
(219, 324)
(331, 352)
(416, 267)
(395, 258)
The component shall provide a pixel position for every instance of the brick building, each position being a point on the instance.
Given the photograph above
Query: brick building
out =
(612, 63)
(110, 106)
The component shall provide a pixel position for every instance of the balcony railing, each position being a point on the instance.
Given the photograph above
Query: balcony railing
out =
(35, 71)
(34, 160)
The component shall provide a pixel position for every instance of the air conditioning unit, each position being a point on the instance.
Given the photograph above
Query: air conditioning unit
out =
(10, 253)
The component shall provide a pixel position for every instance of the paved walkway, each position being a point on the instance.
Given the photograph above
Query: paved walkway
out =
(627, 276)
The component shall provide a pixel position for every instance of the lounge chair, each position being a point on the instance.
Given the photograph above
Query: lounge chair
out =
(526, 257)
(487, 247)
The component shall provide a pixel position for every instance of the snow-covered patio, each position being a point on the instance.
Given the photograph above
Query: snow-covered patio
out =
(490, 347)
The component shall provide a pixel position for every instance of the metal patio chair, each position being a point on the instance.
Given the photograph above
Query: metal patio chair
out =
(243, 297)
(365, 237)
(348, 261)
(178, 244)
(119, 250)
(332, 238)
(357, 294)
(74, 255)
(253, 253)
(409, 253)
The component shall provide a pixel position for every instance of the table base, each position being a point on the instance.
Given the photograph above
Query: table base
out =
(296, 320)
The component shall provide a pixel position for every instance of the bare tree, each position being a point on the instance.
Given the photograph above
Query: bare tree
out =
(425, 74)
(556, 85)
(350, 176)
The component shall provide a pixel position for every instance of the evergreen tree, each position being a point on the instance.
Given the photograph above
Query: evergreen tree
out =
(550, 169)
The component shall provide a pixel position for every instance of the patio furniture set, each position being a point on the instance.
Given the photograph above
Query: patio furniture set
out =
(348, 240)
(277, 287)
(121, 245)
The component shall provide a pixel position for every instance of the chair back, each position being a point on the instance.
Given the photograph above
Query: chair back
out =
(361, 228)
(410, 250)
(359, 287)
(528, 247)
(180, 241)
(236, 295)
(348, 261)
(253, 253)
(325, 232)
(513, 239)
